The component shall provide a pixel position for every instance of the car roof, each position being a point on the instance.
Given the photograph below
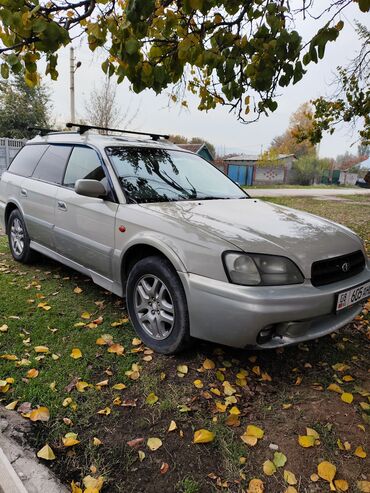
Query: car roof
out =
(101, 141)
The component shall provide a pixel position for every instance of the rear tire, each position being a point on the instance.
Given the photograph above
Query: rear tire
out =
(18, 238)
(157, 305)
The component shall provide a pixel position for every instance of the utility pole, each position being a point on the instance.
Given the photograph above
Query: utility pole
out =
(72, 69)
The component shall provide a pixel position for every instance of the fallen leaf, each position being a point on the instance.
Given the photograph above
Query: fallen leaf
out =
(289, 477)
(347, 378)
(341, 484)
(77, 290)
(136, 341)
(182, 369)
(306, 441)
(208, 364)
(254, 431)
(135, 442)
(85, 315)
(249, 440)
(255, 486)
(333, 387)
(106, 411)
(116, 349)
(363, 486)
(279, 459)
(119, 386)
(347, 397)
(41, 349)
(313, 433)
(164, 468)
(151, 399)
(228, 388)
(33, 373)
(93, 485)
(269, 468)
(76, 353)
(340, 367)
(173, 426)
(69, 441)
(46, 453)
(12, 405)
(198, 384)
(314, 477)
(154, 443)
(141, 455)
(326, 470)
(4, 328)
(203, 436)
(81, 386)
(40, 414)
(360, 452)
(290, 489)
(97, 442)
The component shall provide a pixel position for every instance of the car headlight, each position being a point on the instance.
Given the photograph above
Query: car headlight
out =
(259, 269)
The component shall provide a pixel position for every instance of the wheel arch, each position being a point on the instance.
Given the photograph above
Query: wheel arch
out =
(10, 207)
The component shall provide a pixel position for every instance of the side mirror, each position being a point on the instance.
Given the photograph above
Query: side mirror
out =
(90, 188)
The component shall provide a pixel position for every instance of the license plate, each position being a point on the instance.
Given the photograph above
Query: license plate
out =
(352, 296)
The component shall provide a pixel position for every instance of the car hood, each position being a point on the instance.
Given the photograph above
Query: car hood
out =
(256, 226)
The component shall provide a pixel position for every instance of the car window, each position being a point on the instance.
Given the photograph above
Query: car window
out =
(52, 164)
(26, 160)
(84, 163)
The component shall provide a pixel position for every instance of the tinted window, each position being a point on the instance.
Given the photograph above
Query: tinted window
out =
(52, 164)
(84, 163)
(26, 160)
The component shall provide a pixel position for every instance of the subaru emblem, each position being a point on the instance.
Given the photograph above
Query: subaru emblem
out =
(345, 267)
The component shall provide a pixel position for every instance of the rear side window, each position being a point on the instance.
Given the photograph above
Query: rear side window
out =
(26, 160)
(84, 163)
(52, 164)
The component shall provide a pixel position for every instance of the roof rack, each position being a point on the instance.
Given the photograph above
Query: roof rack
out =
(42, 130)
(82, 128)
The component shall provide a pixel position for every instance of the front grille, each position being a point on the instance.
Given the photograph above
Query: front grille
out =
(337, 268)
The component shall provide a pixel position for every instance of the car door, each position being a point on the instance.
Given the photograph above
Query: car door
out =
(84, 226)
(38, 193)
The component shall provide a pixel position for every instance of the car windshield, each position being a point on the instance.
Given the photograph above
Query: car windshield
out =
(161, 175)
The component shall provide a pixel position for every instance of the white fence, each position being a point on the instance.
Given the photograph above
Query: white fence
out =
(8, 149)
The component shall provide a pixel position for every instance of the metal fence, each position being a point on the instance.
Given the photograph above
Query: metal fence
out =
(8, 149)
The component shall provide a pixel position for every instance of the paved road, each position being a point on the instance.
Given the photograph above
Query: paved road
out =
(305, 192)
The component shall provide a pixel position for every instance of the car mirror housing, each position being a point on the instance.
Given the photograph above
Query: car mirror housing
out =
(90, 188)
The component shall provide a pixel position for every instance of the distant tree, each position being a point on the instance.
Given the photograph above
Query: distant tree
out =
(309, 168)
(293, 140)
(364, 150)
(348, 160)
(21, 107)
(103, 110)
(180, 139)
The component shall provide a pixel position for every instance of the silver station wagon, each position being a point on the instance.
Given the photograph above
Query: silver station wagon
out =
(193, 254)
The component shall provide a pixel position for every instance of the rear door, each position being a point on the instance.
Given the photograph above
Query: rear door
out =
(38, 194)
(84, 226)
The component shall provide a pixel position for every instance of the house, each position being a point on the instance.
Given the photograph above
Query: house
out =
(248, 169)
(200, 149)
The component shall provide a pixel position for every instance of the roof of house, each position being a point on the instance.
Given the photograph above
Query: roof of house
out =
(192, 147)
(365, 164)
(252, 157)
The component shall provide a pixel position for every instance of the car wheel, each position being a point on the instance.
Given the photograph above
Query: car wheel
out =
(19, 241)
(157, 305)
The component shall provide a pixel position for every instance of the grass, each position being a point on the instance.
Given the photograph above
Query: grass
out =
(192, 468)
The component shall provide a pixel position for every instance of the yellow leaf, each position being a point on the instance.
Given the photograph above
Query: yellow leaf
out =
(4, 328)
(333, 387)
(254, 431)
(119, 386)
(76, 353)
(96, 442)
(298, 381)
(93, 485)
(41, 349)
(255, 486)
(228, 388)
(203, 436)
(313, 433)
(75, 488)
(85, 315)
(290, 489)
(182, 369)
(348, 378)
(53, 385)
(341, 484)
(154, 443)
(9, 357)
(306, 441)
(249, 440)
(69, 441)
(365, 406)
(198, 384)
(360, 452)
(141, 455)
(290, 478)
(67, 401)
(40, 414)
(340, 367)
(77, 290)
(136, 341)
(269, 468)
(117, 349)
(314, 477)
(363, 486)
(46, 453)
(106, 411)
(33, 373)
(347, 397)
(208, 364)
(152, 398)
(234, 411)
(287, 406)
(326, 471)
(81, 386)
(117, 401)
(12, 405)
(173, 426)
(220, 407)
(103, 383)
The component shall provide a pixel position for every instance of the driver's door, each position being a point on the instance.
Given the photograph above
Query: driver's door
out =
(84, 226)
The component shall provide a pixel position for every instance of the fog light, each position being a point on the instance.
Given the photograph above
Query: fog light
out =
(265, 334)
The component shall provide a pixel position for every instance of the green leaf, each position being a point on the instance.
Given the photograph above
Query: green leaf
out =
(132, 45)
(4, 70)
(279, 459)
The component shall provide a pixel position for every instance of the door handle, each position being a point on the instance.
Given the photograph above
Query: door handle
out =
(62, 205)
(23, 192)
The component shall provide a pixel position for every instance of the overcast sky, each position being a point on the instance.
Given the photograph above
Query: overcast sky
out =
(217, 126)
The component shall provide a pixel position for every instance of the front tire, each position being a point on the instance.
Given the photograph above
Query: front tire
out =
(19, 241)
(157, 305)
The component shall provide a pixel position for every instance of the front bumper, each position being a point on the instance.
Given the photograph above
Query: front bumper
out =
(234, 315)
